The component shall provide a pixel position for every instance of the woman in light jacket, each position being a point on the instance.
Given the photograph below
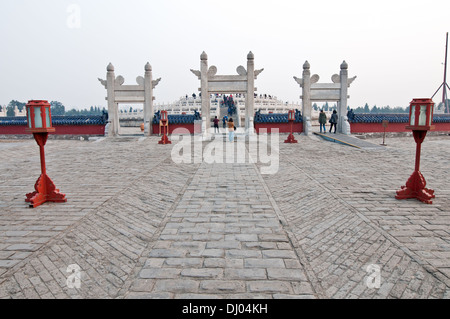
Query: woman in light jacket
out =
(231, 130)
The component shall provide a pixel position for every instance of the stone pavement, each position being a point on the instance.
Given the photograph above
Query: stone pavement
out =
(140, 226)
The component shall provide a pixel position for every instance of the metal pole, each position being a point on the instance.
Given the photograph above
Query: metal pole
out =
(444, 93)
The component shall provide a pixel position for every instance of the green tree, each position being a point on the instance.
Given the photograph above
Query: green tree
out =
(58, 108)
(10, 111)
(366, 108)
(20, 105)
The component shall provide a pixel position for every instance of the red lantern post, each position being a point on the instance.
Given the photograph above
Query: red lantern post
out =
(40, 124)
(291, 118)
(165, 124)
(420, 122)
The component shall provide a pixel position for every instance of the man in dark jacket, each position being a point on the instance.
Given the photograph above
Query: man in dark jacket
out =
(322, 121)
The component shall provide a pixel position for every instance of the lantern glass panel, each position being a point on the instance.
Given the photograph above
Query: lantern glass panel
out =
(430, 120)
(29, 118)
(37, 117)
(47, 117)
(413, 115)
(423, 115)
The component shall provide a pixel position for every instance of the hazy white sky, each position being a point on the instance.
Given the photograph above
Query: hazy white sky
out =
(395, 48)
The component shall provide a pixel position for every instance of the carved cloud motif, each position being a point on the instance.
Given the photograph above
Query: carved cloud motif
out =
(336, 78)
(241, 70)
(156, 82)
(103, 82)
(212, 71)
(299, 80)
(350, 80)
(120, 80)
(140, 80)
(197, 73)
(315, 78)
(258, 72)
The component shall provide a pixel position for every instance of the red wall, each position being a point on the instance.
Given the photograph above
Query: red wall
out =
(173, 127)
(282, 127)
(60, 130)
(392, 127)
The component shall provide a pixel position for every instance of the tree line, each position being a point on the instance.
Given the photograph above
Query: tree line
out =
(366, 109)
(57, 109)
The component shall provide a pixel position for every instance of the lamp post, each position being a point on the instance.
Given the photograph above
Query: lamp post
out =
(420, 122)
(165, 124)
(40, 124)
(291, 118)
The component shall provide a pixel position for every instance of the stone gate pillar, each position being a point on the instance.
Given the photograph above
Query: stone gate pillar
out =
(342, 105)
(113, 107)
(148, 100)
(206, 105)
(250, 98)
(306, 98)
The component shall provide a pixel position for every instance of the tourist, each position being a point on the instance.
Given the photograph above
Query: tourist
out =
(231, 130)
(322, 121)
(216, 125)
(333, 121)
(225, 120)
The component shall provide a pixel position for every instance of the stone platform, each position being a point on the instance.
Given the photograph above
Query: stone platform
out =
(140, 226)
(348, 140)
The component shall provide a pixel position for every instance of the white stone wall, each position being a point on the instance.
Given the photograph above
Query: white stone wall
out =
(3, 112)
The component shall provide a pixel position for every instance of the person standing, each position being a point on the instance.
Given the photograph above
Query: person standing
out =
(333, 121)
(231, 130)
(224, 121)
(216, 125)
(322, 121)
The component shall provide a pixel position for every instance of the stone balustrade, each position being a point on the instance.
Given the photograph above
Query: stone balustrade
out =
(190, 106)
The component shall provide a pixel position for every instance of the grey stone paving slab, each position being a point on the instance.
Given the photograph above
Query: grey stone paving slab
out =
(139, 226)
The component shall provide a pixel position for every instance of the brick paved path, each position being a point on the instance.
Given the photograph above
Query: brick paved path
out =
(140, 226)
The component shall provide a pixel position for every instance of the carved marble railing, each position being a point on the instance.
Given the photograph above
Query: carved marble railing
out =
(191, 105)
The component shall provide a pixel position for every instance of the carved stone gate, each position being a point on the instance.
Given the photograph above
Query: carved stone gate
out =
(325, 92)
(243, 83)
(117, 93)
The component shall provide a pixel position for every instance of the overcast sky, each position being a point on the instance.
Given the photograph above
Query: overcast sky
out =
(56, 49)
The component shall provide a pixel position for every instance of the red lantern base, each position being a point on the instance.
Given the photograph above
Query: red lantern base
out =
(291, 139)
(415, 188)
(164, 140)
(45, 192)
